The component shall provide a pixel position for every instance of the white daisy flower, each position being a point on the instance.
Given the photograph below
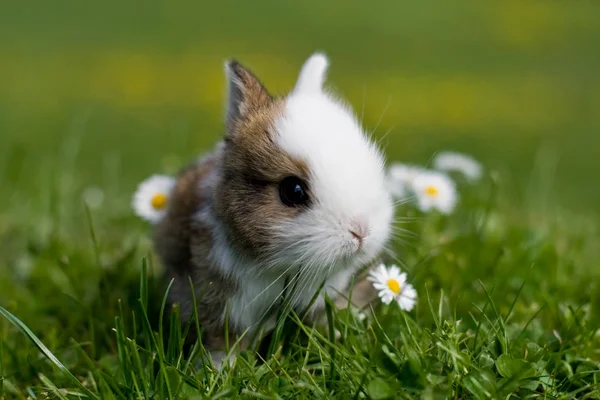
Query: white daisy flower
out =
(435, 190)
(453, 161)
(392, 285)
(399, 178)
(150, 199)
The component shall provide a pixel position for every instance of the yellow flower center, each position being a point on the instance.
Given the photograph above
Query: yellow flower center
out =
(393, 285)
(159, 201)
(431, 191)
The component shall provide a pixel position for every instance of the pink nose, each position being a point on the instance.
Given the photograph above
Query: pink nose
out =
(358, 229)
(357, 237)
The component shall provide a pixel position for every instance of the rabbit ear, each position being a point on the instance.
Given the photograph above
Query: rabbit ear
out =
(312, 74)
(245, 92)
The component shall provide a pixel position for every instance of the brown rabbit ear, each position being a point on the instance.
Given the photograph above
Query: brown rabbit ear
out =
(246, 94)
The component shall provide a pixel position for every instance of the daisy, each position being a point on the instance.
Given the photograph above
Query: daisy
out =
(400, 176)
(150, 199)
(453, 161)
(435, 190)
(392, 285)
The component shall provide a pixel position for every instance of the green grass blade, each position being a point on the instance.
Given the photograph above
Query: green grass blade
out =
(49, 355)
(2, 377)
(122, 352)
(203, 353)
(52, 387)
(144, 284)
(161, 334)
(92, 231)
(332, 348)
(504, 338)
(175, 345)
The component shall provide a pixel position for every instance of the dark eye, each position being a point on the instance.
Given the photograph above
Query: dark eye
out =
(292, 191)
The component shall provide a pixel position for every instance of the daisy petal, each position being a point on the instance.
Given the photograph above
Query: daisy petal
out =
(453, 161)
(151, 197)
(409, 291)
(402, 279)
(435, 190)
(387, 298)
(394, 270)
(406, 303)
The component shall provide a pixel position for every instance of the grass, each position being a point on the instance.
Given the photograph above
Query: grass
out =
(508, 307)
(93, 100)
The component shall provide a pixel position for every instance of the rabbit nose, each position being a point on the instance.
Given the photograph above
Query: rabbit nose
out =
(358, 230)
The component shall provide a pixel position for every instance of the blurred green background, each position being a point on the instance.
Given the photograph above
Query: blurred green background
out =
(104, 94)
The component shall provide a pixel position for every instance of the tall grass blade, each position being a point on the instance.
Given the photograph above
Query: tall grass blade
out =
(49, 355)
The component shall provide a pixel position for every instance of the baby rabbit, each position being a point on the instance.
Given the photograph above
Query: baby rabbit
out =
(293, 196)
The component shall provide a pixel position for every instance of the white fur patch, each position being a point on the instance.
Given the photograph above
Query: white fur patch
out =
(346, 184)
(259, 291)
(312, 74)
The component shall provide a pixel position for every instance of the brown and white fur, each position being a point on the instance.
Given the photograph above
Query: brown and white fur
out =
(230, 229)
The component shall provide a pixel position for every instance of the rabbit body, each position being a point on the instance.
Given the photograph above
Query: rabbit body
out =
(293, 197)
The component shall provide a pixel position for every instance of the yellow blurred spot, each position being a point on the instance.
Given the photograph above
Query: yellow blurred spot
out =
(116, 78)
(431, 191)
(393, 285)
(528, 25)
(159, 201)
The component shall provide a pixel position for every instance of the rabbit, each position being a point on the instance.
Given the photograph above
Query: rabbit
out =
(294, 195)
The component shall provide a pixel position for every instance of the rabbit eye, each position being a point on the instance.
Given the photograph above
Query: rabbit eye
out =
(292, 191)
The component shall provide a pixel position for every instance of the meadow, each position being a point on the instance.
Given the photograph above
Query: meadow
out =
(95, 98)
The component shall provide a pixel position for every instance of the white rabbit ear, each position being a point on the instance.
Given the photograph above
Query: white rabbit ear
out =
(312, 74)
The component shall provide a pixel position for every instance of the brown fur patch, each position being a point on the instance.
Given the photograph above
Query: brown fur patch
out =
(247, 198)
(183, 245)
(174, 232)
